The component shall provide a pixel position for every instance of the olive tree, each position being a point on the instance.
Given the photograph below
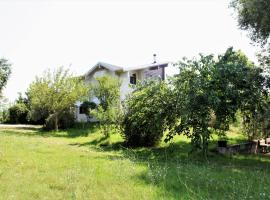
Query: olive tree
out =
(54, 93)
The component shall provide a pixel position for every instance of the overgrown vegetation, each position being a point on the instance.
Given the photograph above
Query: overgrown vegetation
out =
(109, 111)
(208, 92)
(53, 96)
(148, 113)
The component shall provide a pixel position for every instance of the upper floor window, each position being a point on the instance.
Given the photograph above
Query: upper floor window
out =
(133, 79)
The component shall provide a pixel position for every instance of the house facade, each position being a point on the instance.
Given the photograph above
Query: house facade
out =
(127, 75)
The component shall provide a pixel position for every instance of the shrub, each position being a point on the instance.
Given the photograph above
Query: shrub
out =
(4, 116)
(109, 110)
(147, 113)
(18, 113)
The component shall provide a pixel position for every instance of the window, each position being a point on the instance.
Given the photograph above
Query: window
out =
(133, 79)
(153, 68)
(81, 110)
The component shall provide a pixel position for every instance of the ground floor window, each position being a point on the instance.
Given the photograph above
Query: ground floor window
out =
(133, 79)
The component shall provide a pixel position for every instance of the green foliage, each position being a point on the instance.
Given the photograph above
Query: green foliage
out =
(5, 72)
(54, 94)
(209, 92)
(254, 16)
(256, 124)
(147, 114)
(66, 119)
(108, 119)
(18, 114)
(109, 111)
(4, 115)
(106, 90)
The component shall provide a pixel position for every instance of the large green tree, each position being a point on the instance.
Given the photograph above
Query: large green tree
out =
(208, 92)
(254, 17)
(56, 92)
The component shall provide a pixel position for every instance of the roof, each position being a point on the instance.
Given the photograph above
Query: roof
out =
(118, 68)
(105, 65)
(160, 64)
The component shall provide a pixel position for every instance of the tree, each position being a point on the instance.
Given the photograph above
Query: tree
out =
(106, 90)
(148, 114)
(209, 92)
(108, 112)
(55, 93)
(254, 16)
(5, 72)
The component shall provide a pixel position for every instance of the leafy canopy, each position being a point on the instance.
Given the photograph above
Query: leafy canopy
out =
(208, 92)
(254, 16)
(55, 92)
(5, 72)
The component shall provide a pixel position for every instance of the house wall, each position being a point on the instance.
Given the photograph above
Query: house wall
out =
(125, 88)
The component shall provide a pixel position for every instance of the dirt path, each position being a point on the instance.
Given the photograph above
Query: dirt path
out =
(19, 126)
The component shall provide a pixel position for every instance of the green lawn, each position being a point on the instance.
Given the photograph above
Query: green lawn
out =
(80, 164)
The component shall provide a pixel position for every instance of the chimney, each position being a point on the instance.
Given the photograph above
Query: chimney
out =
(154, 56)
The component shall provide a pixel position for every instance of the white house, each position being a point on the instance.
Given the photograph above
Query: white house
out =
(127, 75)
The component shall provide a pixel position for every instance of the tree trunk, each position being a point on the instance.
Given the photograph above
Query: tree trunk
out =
(205, 145)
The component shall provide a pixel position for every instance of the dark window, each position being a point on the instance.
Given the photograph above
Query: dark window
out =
(133, 79)
(153, 68)
(82, 111)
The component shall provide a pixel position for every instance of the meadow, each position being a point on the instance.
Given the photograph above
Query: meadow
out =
(81, 164)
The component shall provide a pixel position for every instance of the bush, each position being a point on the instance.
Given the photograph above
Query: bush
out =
(109, 110)
(146, 114)
(4, 116)
(18, 113)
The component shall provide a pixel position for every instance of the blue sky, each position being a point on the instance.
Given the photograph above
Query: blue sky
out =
(36, 35)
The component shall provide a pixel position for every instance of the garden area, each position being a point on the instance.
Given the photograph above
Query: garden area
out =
(80, 163)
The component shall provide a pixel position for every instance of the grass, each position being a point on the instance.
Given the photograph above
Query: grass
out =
(81, 164)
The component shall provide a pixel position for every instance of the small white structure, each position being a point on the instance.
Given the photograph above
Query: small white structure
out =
(127, 75)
